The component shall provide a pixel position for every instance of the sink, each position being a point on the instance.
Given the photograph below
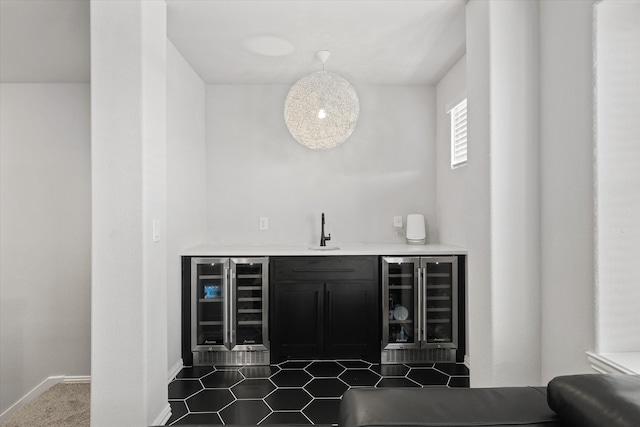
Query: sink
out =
(323, 248)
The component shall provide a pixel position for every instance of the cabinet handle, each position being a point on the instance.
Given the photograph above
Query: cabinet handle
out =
(321, 315)
(228, 305)
(323, 270)
(423, 302)
(329, 312)
(418, 304)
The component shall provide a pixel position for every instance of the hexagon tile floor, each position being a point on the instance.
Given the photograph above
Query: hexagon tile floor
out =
(292, 392)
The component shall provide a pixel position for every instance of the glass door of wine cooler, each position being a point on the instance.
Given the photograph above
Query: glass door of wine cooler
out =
(440, 295)
(420, 296)
(209, 303)
(400, 312)
(249, 308)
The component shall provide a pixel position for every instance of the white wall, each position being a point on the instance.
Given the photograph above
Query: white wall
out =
(128, 171)
(451, 184)
(45, 222)
(186, 182)
(515, 187)
(566, 174)
(618, 176)
(255, 168)
(479, 274)
(504, 284)
(530, 224)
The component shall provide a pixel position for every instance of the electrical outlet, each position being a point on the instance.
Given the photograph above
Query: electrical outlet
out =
(264, 223)
(397, 221)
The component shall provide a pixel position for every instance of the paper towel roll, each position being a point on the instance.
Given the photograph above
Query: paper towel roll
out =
(416, 234)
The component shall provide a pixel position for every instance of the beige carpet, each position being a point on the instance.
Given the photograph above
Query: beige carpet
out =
(63, 405)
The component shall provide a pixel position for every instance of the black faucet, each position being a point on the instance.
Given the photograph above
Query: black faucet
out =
(323, 238)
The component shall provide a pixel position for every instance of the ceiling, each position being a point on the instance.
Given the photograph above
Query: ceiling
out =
(371, 42)
(394, 42)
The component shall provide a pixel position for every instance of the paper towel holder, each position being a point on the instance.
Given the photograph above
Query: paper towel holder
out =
(416, 234)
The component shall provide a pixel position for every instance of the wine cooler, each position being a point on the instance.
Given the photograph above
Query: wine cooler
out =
(420, 309)
(229, 304)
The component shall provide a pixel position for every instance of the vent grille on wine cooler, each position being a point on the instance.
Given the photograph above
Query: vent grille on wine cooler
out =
(430, 355)
(230, 358)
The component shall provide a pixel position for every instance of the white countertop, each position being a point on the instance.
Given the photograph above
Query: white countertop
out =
(303, 250)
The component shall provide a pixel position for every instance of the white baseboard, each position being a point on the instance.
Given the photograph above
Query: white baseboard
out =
(35, 392)
(45, 385)
(41, 388)
(166, 413)
(84, 379)
(163, 417)
(615, 363)
(175, 369)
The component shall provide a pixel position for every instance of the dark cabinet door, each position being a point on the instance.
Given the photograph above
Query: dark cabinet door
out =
(297, 320)
(351, 319)
(325, 307)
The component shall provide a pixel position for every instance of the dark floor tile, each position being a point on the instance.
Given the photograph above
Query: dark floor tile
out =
(288, 399)
(391, 370)
(452, 369)
(209, 400)
(286, 418)
(253, 389)
(181, 389)
(294, 364)
(360, 377)
(326, 387)
(249, 395)
(459, 382)
(202, 419)
(195, 371)
(222, 379)
(396, 382)
(428, 376)
(228, 368)
(248, 412)
(325, 369)
(178, 410)
(258, 371)
(291, 378)
(421, 365)
(354, 364)
(323, 411)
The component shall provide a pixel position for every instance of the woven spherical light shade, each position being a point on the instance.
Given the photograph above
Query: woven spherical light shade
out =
(321, 110)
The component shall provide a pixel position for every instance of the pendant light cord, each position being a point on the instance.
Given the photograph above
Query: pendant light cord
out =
(323, 55)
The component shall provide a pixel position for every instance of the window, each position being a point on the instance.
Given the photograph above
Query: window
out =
(459, 134)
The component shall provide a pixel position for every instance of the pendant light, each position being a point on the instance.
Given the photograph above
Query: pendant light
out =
(321, 109)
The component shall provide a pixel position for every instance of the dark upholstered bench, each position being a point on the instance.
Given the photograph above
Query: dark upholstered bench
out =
(579, 400)
(447, 407)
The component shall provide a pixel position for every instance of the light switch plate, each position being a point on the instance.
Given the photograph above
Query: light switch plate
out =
(397, 221)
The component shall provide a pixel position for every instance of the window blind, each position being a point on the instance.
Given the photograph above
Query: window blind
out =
(459, 134)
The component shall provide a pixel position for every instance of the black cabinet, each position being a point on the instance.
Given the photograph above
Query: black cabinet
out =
(325, 307)
(350, 324)
(297, 310)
